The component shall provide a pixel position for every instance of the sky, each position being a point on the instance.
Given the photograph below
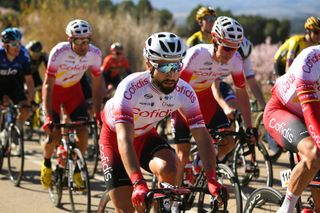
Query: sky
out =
(268, 8)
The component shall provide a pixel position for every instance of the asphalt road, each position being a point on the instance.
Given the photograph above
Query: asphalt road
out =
(30, 197)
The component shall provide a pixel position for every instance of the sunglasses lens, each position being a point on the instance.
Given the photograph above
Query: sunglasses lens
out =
(14, 44)
(228, 49)
(209, 19)
(165, 68)
(81, 41)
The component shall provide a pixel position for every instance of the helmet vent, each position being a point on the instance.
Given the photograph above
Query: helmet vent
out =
(154, 53)
(172, 46)
(163, 46)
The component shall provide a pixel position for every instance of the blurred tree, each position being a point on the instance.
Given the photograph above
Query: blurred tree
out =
(144, 9)
(253, 27)
(164, 16)
(283, 30)
(270, 30)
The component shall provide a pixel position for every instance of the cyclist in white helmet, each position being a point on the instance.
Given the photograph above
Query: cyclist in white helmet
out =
(203, 68)
(68, 61)
(128, 138)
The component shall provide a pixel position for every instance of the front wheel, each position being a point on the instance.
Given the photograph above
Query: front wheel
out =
(264, 199)
(92, 154)
(105, 204)
(226, 177)
(55, 191)
(80, 193)
(15, 155)
(252, 173)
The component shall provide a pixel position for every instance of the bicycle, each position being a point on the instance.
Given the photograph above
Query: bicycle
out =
(160, 199)
(267, 199)
(63, 175)
(246, 162)
(12, 145)
(34, 123)
(92, 155)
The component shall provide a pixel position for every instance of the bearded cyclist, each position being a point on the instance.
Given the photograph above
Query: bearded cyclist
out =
(128, 138)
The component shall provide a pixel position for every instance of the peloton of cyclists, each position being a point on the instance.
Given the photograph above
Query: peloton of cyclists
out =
(128, 138)
(67, 63)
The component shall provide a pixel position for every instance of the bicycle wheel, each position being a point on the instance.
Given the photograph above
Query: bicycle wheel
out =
(105, 204)
(264, 200)
(230, 181)
(274, 150)
(15, 155)
(55, 191)
(80, 196)
(252, 175)
(92, 153)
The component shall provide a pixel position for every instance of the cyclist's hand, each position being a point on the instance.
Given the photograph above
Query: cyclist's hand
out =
(139, 194)
(254, 135)
(230, 113)
(214, 186)
(46, 124)
(98, 119)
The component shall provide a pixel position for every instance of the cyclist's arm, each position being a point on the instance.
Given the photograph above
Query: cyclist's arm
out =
(97, 90)
(47, 89)
(256, 91)
(244, 105)
(205, 147)
(30, 87)
(125, 131)
(292, 52)
(215, 88)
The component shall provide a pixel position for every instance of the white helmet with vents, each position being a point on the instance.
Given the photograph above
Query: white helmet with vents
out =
(78, 29)
(227, 31)
(164, 46)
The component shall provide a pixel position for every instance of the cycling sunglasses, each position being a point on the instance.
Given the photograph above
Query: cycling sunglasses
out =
(210, 19)
(15, 44)
(167, 67)
(81, 41)
(228, 49)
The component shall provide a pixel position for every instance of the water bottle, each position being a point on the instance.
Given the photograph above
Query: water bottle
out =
(62, 155)
(189, 177)
(197, 164)
(4, 137)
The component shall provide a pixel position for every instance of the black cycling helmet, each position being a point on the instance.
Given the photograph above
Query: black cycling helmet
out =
(11, 34)
(34, 46)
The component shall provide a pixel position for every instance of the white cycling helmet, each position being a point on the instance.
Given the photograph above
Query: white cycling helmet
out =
(227, 31)
(78, 29)
(164, 46)
(245, 48)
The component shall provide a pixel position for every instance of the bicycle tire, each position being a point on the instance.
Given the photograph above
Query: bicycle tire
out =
(15, 155)
(274, 150)
(92, 154)
(80, 197)
(105, 204)
(229, 180)
(264, 199)
(262, 174)
(55, 191)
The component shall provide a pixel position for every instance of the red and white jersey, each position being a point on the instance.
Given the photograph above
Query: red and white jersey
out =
(68, 67)
(200, 70)
(304, 70)
(136, 100)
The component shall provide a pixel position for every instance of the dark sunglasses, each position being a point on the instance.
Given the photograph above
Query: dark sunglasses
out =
(167, 67)
(210, 19)
(14, 44)
(81, 41)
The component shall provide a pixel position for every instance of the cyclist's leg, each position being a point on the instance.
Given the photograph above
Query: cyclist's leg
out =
(181, 142)
(18, 96)
(117, 181)
(315, 192)
(290, 131)
(76, 108)
(228, 94)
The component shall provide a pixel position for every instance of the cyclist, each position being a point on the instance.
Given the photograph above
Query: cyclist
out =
(292, 118)
(295, 44)
(205, 17)
(67, 63)
(115, 67)
(203, 67)
(128, 138)
(37, 57)
(15, 69)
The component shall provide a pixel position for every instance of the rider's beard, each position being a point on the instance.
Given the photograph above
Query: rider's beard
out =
(161, 85)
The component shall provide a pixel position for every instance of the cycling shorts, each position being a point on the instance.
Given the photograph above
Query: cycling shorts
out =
(15, 94)
(180, 129)
(286, 128)
(145, 146)
(86, 87)
(72, 100)
(226, 91)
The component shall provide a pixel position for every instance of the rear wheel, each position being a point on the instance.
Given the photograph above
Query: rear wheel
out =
(105, 204)
(15, 155)
(263, 200)
(80, 195)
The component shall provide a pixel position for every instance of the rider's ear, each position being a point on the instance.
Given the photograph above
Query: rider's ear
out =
(214, 40)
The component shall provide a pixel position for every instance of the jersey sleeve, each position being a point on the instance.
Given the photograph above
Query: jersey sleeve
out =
(106, 63)
(96, 57)
(292, 49)
(247, 67)
(238, 73)
(53, 62)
